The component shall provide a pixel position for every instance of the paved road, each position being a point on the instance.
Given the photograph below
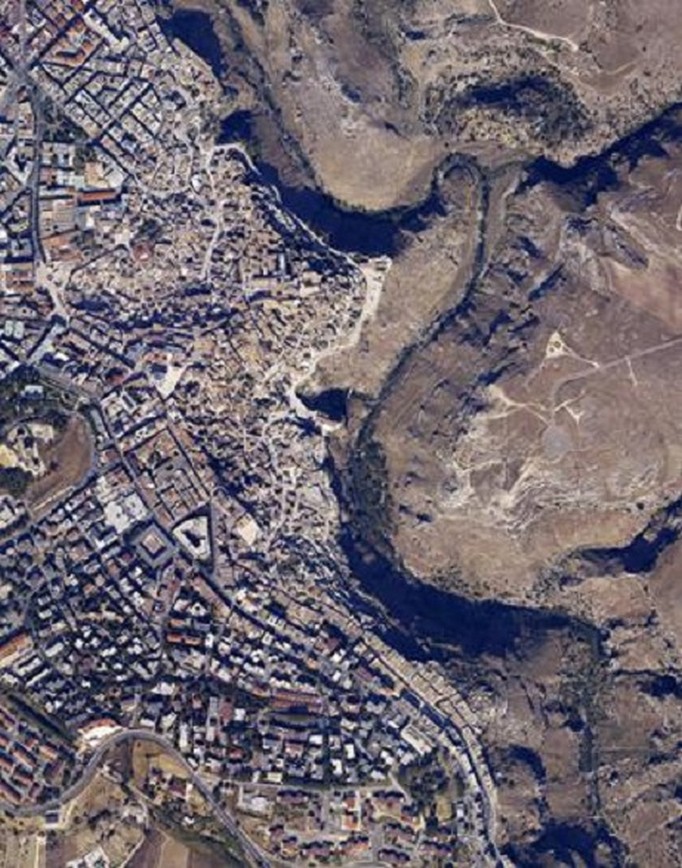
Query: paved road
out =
(254, 855)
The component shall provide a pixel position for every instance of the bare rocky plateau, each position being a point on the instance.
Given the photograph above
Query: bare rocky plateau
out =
(525, 449)
(364, 99)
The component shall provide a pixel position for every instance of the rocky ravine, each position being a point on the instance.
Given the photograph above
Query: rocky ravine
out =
(512, 422)
(365, 97)
(526, 448)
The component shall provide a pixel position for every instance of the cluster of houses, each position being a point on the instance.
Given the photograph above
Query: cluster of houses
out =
(191, 583)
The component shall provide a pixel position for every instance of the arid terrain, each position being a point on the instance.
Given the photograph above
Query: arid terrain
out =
(526, 449)
(540, 419)
(366, 98)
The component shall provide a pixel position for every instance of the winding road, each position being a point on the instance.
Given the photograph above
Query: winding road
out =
(531, 31)
(253, 854)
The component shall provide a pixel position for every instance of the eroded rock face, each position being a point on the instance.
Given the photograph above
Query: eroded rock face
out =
(366, 98)
(526, 448)
(546, 417)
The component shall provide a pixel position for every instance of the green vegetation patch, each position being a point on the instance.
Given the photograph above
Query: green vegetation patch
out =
(25, 395)
(371, 496)
(14, 480)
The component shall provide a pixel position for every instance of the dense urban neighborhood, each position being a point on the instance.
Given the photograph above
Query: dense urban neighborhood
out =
(169, 539)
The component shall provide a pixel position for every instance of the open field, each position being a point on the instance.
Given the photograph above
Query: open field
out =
(67, 462)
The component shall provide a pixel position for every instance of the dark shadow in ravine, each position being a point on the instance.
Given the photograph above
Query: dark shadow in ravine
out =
(195, 29)
(352, 231)
(438, 622)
